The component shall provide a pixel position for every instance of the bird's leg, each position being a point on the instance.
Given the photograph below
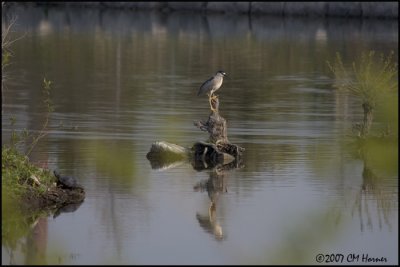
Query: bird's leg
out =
(210, 98)
(211, 211)
(211, 106)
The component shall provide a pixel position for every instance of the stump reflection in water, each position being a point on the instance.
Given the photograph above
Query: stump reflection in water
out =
(217, 155)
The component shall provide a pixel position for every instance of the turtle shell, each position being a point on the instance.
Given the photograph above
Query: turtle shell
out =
(67, 181)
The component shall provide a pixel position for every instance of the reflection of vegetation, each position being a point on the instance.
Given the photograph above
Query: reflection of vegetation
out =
(378, 186)
(380, 159)
(25, 232)
(114, 159)
(370, 80)
(16, 224)
(380, 154)
(301, 239)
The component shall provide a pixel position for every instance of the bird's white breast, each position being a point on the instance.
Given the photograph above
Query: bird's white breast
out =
(218, 82)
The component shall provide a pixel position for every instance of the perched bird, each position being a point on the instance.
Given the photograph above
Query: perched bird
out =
(212, 85)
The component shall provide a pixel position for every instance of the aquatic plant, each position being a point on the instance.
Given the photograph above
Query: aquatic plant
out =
(371, 80)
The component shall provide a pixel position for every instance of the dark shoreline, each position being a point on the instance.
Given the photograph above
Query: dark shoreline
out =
(382, 10)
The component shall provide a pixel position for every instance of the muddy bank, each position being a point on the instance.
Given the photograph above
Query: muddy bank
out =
(34, 188)
(54, 198)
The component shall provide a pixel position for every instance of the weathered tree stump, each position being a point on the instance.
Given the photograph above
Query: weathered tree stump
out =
(216, 127)
(217, 150)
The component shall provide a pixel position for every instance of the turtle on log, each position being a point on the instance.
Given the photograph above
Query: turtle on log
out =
(66, 181)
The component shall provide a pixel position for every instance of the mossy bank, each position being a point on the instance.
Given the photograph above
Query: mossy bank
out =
(33, 188)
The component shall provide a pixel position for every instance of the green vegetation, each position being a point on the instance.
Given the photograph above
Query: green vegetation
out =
(22, 185)
(20, 176)
(22, 182)
(5, 50)
(374, 82)
(23, 136)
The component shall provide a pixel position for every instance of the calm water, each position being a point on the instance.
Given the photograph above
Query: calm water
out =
(123, 80)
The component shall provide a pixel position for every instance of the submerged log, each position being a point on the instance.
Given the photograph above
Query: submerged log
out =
(164, 155)
(163, 149)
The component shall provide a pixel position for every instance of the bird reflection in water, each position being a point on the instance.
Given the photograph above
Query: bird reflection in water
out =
(215, 186)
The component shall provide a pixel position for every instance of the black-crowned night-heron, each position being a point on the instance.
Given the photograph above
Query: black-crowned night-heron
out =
(212, 85)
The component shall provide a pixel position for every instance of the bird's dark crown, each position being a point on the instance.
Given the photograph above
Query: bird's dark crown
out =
(222, 72)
